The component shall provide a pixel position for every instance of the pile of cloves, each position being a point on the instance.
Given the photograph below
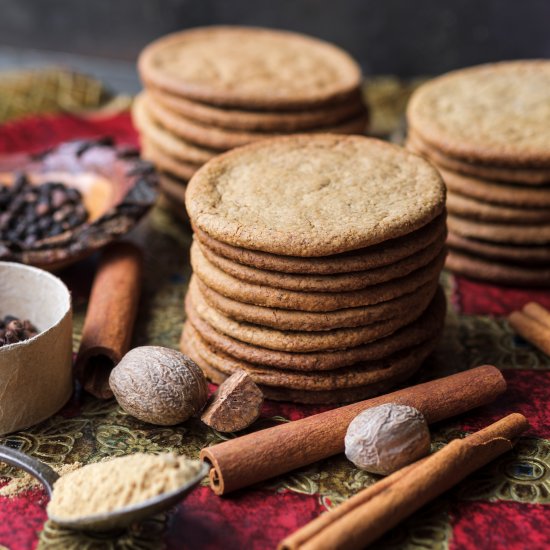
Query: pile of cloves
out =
(13, 330)
(30, 213)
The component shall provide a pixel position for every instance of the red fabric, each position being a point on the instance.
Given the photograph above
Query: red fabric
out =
(500, 525)
(259, 519)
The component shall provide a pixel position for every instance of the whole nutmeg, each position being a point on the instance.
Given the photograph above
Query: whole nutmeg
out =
(159, 385)
(386, 438)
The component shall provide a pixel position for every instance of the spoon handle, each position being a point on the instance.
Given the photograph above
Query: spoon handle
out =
(41, 471)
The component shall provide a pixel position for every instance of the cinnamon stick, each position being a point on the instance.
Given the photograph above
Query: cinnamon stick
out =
(261, 455)
(531, 330)
(369, 514)
(110, 317)
(538, 313)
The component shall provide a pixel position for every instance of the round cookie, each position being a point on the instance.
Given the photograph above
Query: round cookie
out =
(498, 113)
(189, 347)
(369, 372)
(497, 193)
(314, 195)
(506, 252)
(496, 272)
(500, 232)
(372, 257)
(165, 162)
(522, 176)
(173, 190)
(166, 141)
(324, 283)
(250, 67)
(286, 319)
(260, 121)
(223, 139)
(425, 327)
(296, 341)
(260, 295)
(466, 207)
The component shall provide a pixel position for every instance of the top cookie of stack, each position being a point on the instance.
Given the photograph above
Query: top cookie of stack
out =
(316, 266)
(487, 129)
(214, 88)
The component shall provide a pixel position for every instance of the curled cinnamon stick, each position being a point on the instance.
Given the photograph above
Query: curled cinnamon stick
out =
(538, 313)
(369, 514)
(265, 454)
(109, 322)
(530, 327)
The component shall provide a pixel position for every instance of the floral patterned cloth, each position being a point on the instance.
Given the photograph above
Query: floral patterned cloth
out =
(504, 505)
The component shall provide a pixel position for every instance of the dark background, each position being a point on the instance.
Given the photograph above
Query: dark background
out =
(403, 37)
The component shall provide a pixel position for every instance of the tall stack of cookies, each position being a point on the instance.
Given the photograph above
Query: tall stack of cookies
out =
(316, 264)
(487, 129)
(211, 89)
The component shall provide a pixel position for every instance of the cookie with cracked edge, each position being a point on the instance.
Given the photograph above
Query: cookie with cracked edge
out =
(222, 139)
(524, 176)
(491, 271)
(250, 67)
(286, 319)
(514, 254)
(260, 121)
(372, 257)
(260, 295)
(425, 327)
(314, 195)
(500, 232)
(399, 364)
(497, 113)
(297, 341)
(324, 283)
(164, 140)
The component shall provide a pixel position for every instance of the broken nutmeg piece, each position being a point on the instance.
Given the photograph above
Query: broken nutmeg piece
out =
(386, 438)
(235, 405)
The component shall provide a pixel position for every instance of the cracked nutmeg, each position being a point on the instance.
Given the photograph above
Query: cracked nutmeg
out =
(159, 385)
(236, 404)
(386, 438)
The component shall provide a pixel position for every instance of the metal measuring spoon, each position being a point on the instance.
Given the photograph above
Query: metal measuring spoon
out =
(122, 517)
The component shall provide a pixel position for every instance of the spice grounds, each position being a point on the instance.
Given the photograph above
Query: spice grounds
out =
(13, 330)
(31, 213)
(116, 483)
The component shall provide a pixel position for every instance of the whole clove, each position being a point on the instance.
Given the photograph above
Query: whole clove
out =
(13, 330)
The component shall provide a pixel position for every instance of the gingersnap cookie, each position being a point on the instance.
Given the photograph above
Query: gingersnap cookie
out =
(497, 272)
(524, 175)
(466, 207)
(260, 295)
(222, 139)
(250, 67)
(314, 195)
(285, 394)
(498, 113)
(296, 341)
(165, 162)
(260, 121)
(426, 326)
(167, 142)
(496, 192)
(286, 319)
(508, 253)
(372, 257)
(399, 364)
(500, 232)
(324, 283)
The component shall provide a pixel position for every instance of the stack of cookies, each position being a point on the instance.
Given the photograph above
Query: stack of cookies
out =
(487, 129)
(316, 264)
(211, 89)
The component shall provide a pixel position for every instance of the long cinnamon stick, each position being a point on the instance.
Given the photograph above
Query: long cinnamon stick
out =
(531, 330)
(369, 514)
(261, 455)
(110, 317)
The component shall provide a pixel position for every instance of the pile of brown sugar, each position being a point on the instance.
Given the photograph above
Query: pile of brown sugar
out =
(117, 483)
